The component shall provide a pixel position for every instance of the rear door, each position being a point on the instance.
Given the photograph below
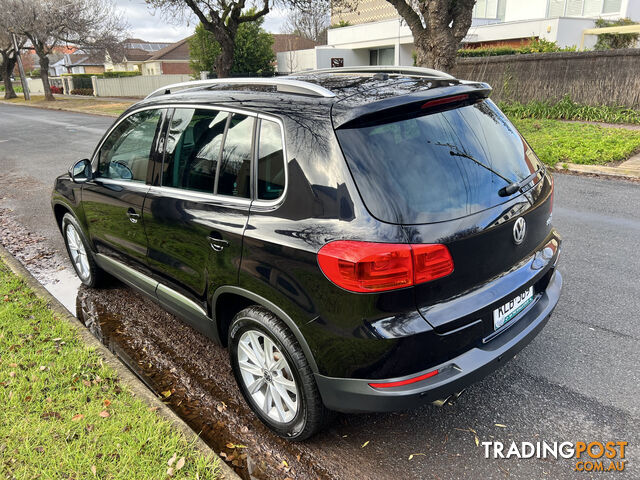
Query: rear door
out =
(197, 210)
(113, 201)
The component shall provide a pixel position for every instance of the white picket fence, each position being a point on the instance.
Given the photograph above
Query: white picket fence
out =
(139, 86)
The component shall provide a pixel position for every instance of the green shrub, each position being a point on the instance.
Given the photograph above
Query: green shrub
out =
(536, 45)
(121, 74)
(567, 109)
(608, 41)
(82, 91)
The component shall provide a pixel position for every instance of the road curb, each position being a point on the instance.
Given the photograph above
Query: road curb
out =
(599, 170)
(72, 110)
(134, 384)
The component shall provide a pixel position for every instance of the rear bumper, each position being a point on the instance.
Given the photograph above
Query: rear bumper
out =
(356, 395)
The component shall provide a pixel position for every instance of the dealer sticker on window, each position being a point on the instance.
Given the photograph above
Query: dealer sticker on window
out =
(513, 307)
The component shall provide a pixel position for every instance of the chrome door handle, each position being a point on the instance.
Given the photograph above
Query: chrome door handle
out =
(133, 216)
(217, 244)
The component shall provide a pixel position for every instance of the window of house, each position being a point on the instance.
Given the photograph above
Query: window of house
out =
(382, 56)
(193, 147)
(235, 165)
(124, 155)
(582, 8)
(271, 174)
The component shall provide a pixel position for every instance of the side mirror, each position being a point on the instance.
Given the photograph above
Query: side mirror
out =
(81, 171)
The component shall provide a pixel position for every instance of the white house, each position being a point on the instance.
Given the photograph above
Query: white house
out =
(376, 35)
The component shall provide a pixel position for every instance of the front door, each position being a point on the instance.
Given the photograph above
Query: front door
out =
(197, 210)
(113, 201)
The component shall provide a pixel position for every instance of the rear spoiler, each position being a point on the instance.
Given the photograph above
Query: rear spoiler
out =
(412, 104)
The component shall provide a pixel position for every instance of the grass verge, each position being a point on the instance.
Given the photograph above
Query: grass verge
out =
(83, 105)
(558, 142)
(64, 414)
(567, 109)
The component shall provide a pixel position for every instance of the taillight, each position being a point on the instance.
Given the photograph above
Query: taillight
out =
(376, 267)
(431, 262)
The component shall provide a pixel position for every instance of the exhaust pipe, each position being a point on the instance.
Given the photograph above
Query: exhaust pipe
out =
(450, 400)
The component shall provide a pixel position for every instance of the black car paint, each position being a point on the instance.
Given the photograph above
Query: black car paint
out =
(272, 255)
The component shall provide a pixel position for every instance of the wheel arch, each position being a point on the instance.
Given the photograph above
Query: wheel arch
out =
(239, 298)
(59, 210)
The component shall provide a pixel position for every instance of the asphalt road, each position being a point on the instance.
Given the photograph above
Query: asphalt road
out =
(579, 380)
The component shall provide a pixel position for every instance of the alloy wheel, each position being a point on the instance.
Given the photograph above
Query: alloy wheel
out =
(77, 252)
(267, 376)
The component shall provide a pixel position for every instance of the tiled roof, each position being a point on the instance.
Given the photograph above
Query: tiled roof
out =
(175, 51)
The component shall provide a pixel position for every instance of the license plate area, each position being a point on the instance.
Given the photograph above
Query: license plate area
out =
(508, 311)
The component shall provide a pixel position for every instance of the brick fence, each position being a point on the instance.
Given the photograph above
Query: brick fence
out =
(594, 78)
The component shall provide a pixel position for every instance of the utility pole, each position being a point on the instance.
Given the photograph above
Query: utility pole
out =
(23, 78)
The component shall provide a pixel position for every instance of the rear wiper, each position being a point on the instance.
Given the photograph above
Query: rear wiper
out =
(465, 155)
(517, 186)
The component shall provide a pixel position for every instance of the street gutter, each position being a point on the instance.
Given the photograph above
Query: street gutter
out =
(136, 387)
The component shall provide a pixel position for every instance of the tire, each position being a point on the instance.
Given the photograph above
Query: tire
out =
(79, 252)
(258, 325)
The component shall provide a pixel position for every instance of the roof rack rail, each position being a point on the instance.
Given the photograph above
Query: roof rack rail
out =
(286, 85)
(411, 71)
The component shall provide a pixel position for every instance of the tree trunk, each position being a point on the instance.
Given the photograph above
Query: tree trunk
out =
(44, 75)
(436, 51)
(8, 64)
(224, 62)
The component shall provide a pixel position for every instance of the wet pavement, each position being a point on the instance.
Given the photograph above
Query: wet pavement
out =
(578, 380)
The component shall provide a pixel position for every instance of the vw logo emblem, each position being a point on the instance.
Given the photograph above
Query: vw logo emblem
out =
(519, 230)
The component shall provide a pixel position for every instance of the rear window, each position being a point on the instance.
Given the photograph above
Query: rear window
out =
(418, 170)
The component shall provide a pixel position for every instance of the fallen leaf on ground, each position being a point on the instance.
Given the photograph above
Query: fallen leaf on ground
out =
(166, 393)
(77, 417)
(153, 409)
(12, 374)
(365, 444)
(235, 445)
(13, 365)
(477, 441)
(415, 455)
(180, 463)
(104, 414)
(107, 402)
(94, 470)
(172, 459)
(170, 471)
(500, 425)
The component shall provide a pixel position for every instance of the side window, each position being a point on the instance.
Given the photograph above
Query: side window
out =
(125, 153)
(271, 175)
(235, 166)
(193, 149)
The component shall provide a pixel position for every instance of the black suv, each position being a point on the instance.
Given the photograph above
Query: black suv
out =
(361, 240)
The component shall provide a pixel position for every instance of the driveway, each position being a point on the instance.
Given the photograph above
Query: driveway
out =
(579, 380)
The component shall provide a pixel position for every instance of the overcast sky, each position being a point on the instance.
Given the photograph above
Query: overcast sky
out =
(148, 25)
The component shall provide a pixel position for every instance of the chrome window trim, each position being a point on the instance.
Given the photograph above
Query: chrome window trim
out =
(202, 195)
(280, 199)
(133, 184)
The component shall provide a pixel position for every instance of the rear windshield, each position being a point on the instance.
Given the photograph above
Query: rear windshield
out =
(438, 166)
